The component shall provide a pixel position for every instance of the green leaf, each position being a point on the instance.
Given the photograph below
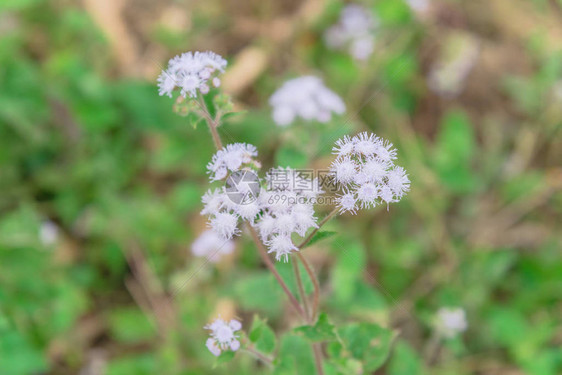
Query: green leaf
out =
(507, 326)
(143, 364)
(131, 325)
(323, 330)
(319, 236)
(295, 357)
(262, 336)
(405, 360)
(223, 103)
(259, 292)
(454, 151)
(348, 269)
(291, 156)
(18, 355)
(368, 343)
(224, 357)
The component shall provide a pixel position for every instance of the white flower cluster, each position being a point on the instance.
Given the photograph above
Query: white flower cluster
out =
(355, 31)
(283, 208)
(451, 321)
(223, 336)
(231, 158)
(364, 167)
(223, 209)
(305, 97)
(212, 246)
(287, 208)
(191, 72)
(223, 213)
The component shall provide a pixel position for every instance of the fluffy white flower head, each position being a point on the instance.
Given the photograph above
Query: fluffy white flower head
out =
(190, 72)
(451, 321)
(231, 159)
(225, 225)
(287, 206)
(305, 97)
(225, 206)
(281, 245)
(364, 168)
(223, 336)
(354, 32)
(212, 246)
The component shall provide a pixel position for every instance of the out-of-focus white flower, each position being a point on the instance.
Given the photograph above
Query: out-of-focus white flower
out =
(48, 233)
(448, 75)
(212, 246)
(451, 321)
(223, 336)
(354, 31)
(231, 158)
(305, 97)
(365, 169)
(190, 72)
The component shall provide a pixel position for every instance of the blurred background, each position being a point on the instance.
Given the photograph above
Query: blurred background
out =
(100, 182)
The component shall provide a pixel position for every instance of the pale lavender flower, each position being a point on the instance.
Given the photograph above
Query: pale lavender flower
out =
(288, 208)
(365, 169)
(354, 31)
(305, 97)
(223, 336)
(451, 321)
(212, 246)
(190, 72)
(231, 159)
(48, 233)
(225, 225)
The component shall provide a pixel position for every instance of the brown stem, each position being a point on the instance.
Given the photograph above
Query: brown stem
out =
(212, 123)
(313, 233)
(301, 289)
(215, 134)
(317, 349)
(263, 253)
(266, 360)
(315, 283)
(308, 267)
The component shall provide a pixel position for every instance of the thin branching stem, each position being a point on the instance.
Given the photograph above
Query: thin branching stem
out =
(313, 233)
(315, 283)
(266, 360)
(263, 253)
(317, 350)
(308, 267)
(302, 293)
(212, 123)
(305, 314)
